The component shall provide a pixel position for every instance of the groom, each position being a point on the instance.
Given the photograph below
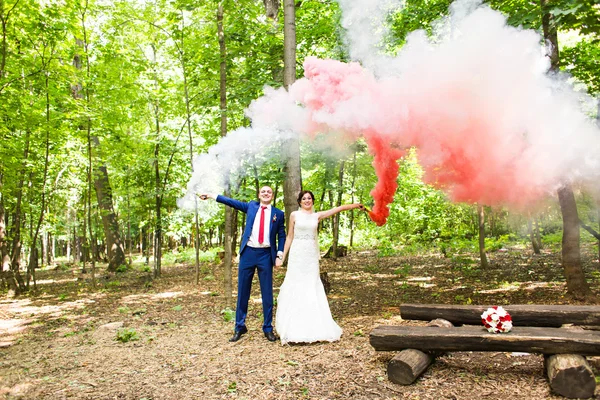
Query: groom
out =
(261, 248)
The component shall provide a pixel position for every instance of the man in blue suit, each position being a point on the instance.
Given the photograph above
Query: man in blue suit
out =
(261, 247)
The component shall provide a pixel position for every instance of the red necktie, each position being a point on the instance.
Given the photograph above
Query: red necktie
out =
(261, 227)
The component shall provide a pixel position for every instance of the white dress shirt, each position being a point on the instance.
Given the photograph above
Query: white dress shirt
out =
(253, 241)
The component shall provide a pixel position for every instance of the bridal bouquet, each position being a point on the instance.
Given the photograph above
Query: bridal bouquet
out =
(496, 320)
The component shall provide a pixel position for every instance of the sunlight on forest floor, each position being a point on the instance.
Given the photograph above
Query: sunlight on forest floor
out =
(62, 341)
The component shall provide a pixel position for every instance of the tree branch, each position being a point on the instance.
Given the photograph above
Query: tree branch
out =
(590, 230)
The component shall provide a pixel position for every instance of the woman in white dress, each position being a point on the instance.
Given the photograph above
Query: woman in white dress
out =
(303, 314)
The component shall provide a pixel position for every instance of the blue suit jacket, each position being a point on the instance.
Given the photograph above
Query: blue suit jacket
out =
(277, 232)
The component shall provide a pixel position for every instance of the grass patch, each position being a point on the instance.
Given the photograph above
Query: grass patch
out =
(125, 335)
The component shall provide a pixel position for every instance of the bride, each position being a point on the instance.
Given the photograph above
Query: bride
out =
(303, 314)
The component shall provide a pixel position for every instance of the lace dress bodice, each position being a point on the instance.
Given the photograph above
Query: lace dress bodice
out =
(304, 252)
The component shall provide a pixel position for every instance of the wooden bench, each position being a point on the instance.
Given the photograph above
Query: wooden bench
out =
(569, 373)
(473, 338)
(522, 314)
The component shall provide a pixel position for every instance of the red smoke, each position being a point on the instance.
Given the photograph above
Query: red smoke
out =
(386, 168)
(467, 143)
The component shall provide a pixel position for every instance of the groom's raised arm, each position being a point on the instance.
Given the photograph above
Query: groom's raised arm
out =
(219, 198)
(238, 205)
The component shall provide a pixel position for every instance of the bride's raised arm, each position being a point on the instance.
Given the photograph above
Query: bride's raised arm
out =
(335, 210)
(290, 235)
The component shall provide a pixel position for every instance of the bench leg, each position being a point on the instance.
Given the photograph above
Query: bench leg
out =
(407, 365)
(570, 375)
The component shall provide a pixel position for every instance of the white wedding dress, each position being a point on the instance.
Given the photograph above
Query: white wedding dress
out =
(303, 314)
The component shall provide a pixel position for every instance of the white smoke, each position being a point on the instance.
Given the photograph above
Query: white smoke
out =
(473, 71)
(231, 156)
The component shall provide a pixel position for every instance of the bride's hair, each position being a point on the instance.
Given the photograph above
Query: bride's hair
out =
(301, 195)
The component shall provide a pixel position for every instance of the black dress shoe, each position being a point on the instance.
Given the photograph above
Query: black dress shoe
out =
(237, 335)
(270, 336)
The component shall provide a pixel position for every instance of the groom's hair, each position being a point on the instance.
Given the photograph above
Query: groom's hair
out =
(302, 193)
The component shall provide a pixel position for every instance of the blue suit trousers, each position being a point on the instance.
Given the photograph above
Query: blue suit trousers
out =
(253, 259)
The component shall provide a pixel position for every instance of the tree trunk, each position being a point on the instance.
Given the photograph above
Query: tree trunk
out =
(292, 185)
(336, 217)
(534, 243)
(191, 144)
(15, 258)
(227, 262)
(89, 203)
(571, 256)
(577, 286)
(353, 200)
(4, 257)
(4, 17)
(598, 201)
(115, 252)
(33, 265)
(271, 8)
(157, 200)
(481, 220)
(7, 275)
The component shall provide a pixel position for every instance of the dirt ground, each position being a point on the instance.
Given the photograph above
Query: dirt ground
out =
(60, 341)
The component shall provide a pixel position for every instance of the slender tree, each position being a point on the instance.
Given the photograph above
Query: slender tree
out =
(227, 242)
(183, 60)
(481, 222)
(292, 185)
(577, 286)
(114, 246)
(336, 217)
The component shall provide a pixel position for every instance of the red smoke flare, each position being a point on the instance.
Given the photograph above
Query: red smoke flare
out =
(386, 168)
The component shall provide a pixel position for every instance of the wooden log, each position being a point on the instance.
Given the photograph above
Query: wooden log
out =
(440, 323)
(342, 251)
(408, 365)
(522, 314)
(472, 338)
(570, 375)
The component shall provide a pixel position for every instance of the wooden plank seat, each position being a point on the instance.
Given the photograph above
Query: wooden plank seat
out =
(476, 338)
(522, 314)
(536, 330)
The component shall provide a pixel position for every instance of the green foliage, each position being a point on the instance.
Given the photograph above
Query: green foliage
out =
(553, 240)
(403, 271)
(385, 248)
(414, 15)
(145, 268)
(125, 335)
(132, 90)
(188, 256)
(495, 244)
(232, 387)
(122, 268)
(112, 284)
(228, 314)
